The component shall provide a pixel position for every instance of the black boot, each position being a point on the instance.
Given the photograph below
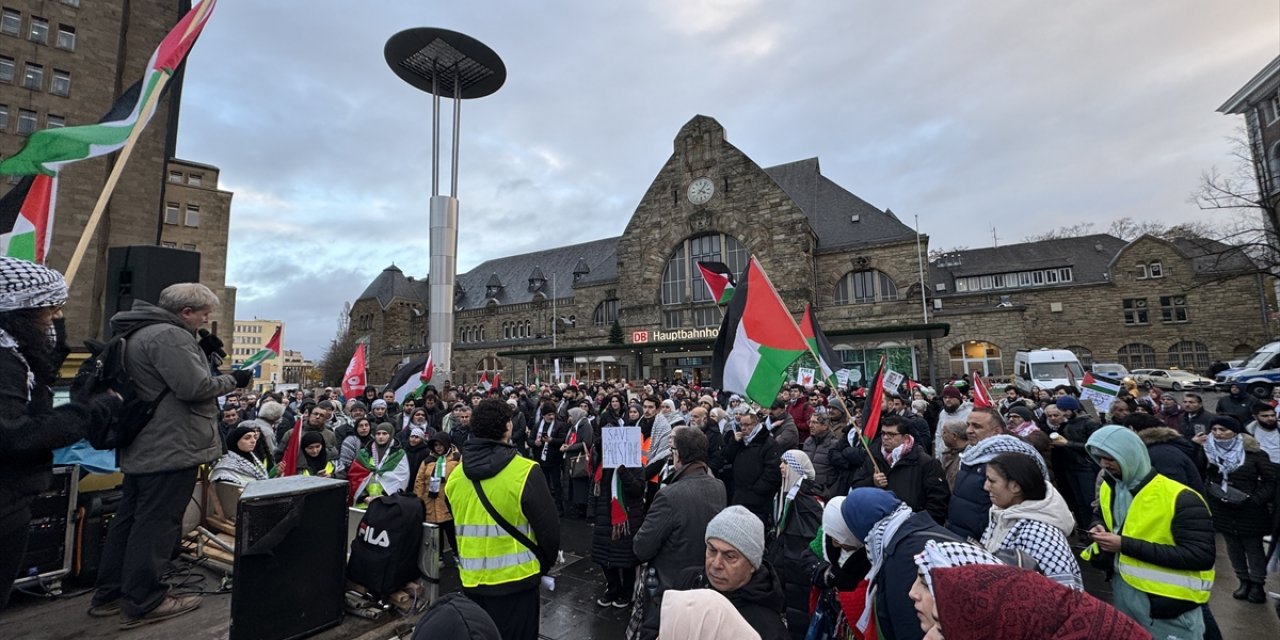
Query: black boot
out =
(1243, 591)
(1257, 593)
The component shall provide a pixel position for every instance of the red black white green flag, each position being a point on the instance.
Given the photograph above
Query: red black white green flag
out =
(875, 404)
(26, 218)
(821, 348)
(270, 351)
(758, 340)
(719, 280)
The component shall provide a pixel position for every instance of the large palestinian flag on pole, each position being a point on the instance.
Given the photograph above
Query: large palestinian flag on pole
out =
(758, 340)
(26, 218)
(48, 149)
(719, 280)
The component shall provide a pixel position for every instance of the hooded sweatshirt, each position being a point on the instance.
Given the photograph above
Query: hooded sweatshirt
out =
(1039, 528)
(457, 617)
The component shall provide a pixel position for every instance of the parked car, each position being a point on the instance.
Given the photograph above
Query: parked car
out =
(1172, 379)
(1111, 370)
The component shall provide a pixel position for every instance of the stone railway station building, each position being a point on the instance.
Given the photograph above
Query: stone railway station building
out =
(1146, 303)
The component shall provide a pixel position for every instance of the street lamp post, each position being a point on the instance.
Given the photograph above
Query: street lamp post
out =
(444, 63)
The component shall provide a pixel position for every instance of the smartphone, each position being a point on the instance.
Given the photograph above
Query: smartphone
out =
(1199, 429)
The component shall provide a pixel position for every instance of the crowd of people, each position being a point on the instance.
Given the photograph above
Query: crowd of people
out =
(789, 519)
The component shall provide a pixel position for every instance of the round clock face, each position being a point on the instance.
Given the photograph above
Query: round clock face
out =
(701, 190)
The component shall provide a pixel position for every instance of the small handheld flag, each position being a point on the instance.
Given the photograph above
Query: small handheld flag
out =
(719, 279)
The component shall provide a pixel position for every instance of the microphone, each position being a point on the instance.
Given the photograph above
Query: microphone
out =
(211, 344)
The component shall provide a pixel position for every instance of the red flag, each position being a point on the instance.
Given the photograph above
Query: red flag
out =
(497, 381)
(871, 423)
(428, 370)
(353, 382)
(981, 393)
(289, 463)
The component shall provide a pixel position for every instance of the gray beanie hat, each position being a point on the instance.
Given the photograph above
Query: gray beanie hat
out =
(741, 529)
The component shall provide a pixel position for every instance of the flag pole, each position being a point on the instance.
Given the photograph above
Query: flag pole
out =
(148, 107)
(94, 218)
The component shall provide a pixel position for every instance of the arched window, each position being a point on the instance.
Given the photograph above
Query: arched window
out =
(1189, 355)
(606, 313)
(861, 287)
(489, 365)
(973, 355)
(1084, 355)
(681, 280)
(1242, 352)
(1136, 355)
(528, 329)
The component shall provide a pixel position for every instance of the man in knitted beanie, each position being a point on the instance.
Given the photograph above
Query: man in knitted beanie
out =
(736, 568)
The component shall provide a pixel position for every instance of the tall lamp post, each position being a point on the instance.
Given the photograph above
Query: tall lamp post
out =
(445, 64)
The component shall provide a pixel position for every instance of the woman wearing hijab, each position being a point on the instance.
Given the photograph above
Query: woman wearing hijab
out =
(1027, 514)
(430, 482)
(702, 614)
(614, 413)
(799, 517)
(32, 348)
(1240, 484)
(380, 468)
(361, 436)
(617, 515)
(241, 465)
(315, 460)
(577, 443)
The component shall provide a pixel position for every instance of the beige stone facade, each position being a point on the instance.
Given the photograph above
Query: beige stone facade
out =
(859, 265)
(250, 337)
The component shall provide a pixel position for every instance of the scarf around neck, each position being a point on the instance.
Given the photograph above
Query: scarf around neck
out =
(1226, 455)
(892, 457)
(877, 539)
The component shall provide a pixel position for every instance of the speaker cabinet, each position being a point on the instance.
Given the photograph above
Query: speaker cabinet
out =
(141, 272)
(51, 541)
(290, 558)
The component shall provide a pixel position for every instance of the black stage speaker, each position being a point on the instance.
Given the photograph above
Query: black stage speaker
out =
(290, 557)
(141, 272)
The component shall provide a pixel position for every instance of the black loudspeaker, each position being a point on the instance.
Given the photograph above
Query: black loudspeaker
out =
(94, 514)
(141, 272)
(290, 556)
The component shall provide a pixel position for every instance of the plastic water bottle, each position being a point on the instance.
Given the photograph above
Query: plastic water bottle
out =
(651, 582)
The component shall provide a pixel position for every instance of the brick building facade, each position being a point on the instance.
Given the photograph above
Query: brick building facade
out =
(859, 265)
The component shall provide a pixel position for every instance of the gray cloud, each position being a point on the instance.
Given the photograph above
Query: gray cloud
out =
(1020, 115)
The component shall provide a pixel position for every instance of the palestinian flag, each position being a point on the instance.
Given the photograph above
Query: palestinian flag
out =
(272, 350)
(758, 340)
(875, 404)
(412, 378)
(719, 280)
(48, 149)
(484, 380)
(819, 346)
(26, 218)
(618, 506)
(372, 478)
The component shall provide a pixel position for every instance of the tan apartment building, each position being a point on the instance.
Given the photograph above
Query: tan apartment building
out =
(249, 337)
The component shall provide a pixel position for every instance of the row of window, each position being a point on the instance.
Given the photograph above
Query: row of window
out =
(193, 179)
(174, 214)
(702, 317)
(33, 76)
(471, 334)
(37, 29)
(364, 322)
(517, 329)
(1185, 354)
(1149, 270)
(1014, 280)
(243, 351)
(1173, 309)
(249, 328)
(28, 121)
(174, 245)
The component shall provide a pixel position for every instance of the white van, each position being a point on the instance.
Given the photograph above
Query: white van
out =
(1045, 369)
(1259, 374)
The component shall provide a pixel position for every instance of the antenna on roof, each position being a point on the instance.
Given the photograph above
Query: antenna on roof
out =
(995, 239)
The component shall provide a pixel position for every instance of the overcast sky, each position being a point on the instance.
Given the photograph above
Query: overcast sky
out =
(1021, 115)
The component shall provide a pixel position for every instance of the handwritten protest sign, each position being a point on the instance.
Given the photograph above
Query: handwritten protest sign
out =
(804, 377)
(892, 379)
(621, 447)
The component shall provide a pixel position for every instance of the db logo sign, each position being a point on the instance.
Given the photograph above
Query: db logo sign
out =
(639, 337)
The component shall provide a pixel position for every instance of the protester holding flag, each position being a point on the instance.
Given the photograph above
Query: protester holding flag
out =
(160, 465)
(756, 477)
(1077, 471)
(380, 468)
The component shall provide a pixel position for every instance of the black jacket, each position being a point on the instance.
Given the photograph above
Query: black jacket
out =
(610, 549)
(821, 449)
(31, 430)
(483, 458)
(673, 535)
(917, 480)
(1174, 456)
(790, 555)
(551, 447)
(970, 503)
(1256, 477)
(715, 446)
(852, 466)
(1194, 548)
(756, 474)
(456, 617)
(895, 614)
(1239, 407)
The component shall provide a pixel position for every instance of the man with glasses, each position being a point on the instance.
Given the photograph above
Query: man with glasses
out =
(911, 474)
(755, 456)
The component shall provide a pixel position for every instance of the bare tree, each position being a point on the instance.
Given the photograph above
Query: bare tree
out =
(1068, 231)
(333, 364)
(1244, 209)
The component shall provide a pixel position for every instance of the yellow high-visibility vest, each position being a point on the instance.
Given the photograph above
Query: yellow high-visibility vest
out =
(1150, 518)
(487, 555)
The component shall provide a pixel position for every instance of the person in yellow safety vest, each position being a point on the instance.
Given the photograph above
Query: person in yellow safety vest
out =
(499, 571)
(1156, 534)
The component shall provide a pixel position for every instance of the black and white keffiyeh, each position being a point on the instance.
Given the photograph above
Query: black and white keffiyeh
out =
(942, 555)
(27, 285)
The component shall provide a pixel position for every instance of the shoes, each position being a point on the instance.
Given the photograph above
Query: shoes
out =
(1257, 594)
(622, 603)
(1242, 592)
(105, 610)
(605, 600)
(170, 607)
